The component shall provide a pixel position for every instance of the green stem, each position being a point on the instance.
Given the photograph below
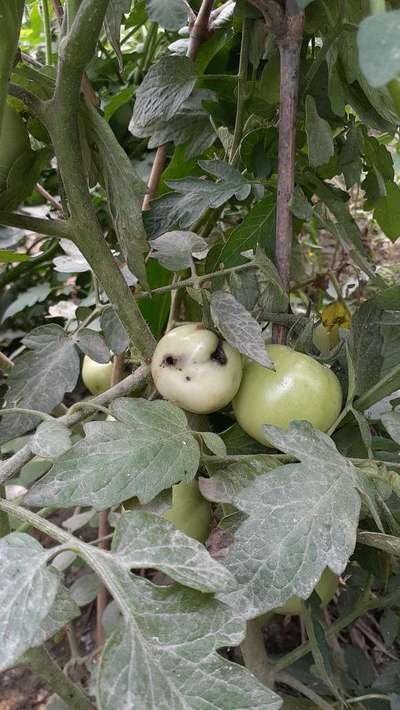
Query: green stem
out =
(370, 696)
(362, 608)
(14, 273)
(23, 410)
(296, 684)
(340, 418)
(4, 520)
(148, 49)
(51, 227)
(87, 405)
(241, 90)
(253, 651)
(61, 119)
(36, 521)
(191, 281)
(44, 667)
(43, 513)
(47, 30)
(91, 317)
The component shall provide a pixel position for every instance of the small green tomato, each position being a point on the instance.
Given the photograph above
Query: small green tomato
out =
(196, 369)
(190, 512)
(300, 388)
(326, 590)
(96, 376)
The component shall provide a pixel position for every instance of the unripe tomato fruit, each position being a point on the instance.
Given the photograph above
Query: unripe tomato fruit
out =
(196, 369)
(326, 590)
(300, 388)
(96, 376)
(190, 512)
(14, 141)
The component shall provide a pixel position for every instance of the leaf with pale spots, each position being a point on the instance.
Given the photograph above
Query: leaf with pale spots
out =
(302, 518)
(147, 450)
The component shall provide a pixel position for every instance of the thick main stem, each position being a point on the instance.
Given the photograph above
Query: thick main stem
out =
(61, 119)
(289, 48)
(253, 651)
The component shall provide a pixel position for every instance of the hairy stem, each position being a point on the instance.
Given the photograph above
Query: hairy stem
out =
(44, 6)
(241, 89)
(50, 227)
(11, 275)
(44, 667)
(61, 119)
(253, 651)
(5, 363)
(292, 682)
(362, 608)
(289, 44)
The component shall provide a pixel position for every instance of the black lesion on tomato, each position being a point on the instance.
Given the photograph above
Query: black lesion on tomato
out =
(169, 361)
(219, 354)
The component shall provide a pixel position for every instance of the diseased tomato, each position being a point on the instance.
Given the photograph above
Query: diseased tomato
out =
(196, 369)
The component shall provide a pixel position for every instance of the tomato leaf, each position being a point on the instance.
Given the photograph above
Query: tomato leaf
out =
(174, 250)
(92, 344)
(145, 540)
(302, 517)
(114, 332)
(170, 16)
(147, 450)
(27, 593)
(238, 327)
(51, 439)
(378, 44)
(40, 378)
(167, 84)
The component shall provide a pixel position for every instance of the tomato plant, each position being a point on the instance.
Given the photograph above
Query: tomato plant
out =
(199, 203)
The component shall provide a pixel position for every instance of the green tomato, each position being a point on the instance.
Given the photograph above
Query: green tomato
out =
(190, 512)
(300, 388)
(196, 369)
(14, 141)
(96, 376)
(326, 590)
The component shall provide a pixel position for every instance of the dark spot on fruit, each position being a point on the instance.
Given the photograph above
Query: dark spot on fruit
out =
(219, 354)
(187, 379)
(169, 360)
